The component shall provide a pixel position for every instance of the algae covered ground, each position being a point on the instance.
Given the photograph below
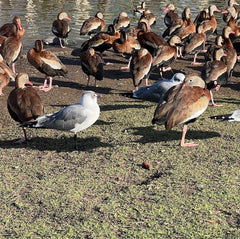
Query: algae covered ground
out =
(48, 190)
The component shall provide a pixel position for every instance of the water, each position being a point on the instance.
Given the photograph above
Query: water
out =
(37, 15)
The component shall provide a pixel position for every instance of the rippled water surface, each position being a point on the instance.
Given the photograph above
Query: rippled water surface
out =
(37, 16)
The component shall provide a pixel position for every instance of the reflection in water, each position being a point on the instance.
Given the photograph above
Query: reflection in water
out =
(37, 15)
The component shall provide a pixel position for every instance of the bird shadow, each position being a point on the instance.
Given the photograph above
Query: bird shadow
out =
(70, 61)
(151, 135)
(62, 144)
(228, 101)
(73, 85)
(122, 107)
(59, 83)
(116, 74)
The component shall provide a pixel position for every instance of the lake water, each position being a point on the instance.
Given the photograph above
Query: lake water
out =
(37, 16)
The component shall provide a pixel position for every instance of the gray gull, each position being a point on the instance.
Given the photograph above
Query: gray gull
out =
(73, 118)
(155, 91)
(233, 116)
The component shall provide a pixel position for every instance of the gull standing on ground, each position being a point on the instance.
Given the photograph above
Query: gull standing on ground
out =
(73, 118)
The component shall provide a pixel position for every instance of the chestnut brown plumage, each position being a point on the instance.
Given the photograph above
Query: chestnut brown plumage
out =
(231, 57)
(140, 66)
(125, 44)
(226, 14)
(5, 75)
(183, 104)
(215, 72)
(93, 25)
(11, 48)
(24, 103)
(60, 27)
(122, 22)
(149, 17)
(166, 54)
(47, 63)
(171, 16)
(182, 27)
(195, 43)
(101, 41)
(92, 64)
(149, 40)
(210, 25)
(7, 30)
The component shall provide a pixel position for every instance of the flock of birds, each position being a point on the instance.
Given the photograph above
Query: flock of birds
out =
(181, 100)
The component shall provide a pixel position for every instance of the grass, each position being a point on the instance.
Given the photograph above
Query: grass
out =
(50, 191)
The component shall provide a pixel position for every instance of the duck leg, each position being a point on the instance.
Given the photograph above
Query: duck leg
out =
(211, 94)
(25, 139)
(194, 60)
(46, 88)
(128, 65)
(13, 68)
(60, 42)
(183, 144)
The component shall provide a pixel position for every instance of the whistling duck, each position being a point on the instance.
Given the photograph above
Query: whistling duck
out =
(182, 26)
(226, 14)
(5, 74)
(210, 25)
(133, 31)
(231, 22)
(122, 22)
(149, 16)
(73, 118)
(24, 103)
(140, 66)
(202, 16)
(195, 43)
(188, 26)
(102, 41)
(93, 25)
(2, 39)
(140, 9)
(47, 63)
(231, 57)
(218, 44)
(171, 16)
(156, 91)
(125, 44)
(149, 40)
(233, 116)
(7, 30)
(60, 27)
(183, 104)
(11, 48)
(166, 54)
(92, 64)
(215, 72)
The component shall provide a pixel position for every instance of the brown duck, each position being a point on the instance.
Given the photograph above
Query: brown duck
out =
(47, 63)
(183, 104)
(92, 64)
(60, 27)
(24, 103)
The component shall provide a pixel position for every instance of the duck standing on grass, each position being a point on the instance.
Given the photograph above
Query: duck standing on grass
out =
(183, 104)
(24, 103)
